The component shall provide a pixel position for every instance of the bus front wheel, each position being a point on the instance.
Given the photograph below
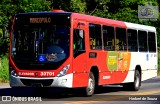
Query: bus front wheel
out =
(89, 90)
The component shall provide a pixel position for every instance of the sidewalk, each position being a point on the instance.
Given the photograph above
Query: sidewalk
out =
(4, 85)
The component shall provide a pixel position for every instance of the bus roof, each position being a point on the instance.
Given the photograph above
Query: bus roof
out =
(112, 22)
(140, 27)
(45, 13)
(98, 20)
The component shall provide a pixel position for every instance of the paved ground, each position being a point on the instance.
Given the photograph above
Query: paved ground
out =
(107, 94)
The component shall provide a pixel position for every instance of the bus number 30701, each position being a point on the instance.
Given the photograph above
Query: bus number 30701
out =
(47, 74)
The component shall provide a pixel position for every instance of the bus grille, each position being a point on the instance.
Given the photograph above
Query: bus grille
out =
(30, 82)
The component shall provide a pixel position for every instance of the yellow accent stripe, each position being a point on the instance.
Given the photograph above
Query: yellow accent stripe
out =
(111, 98)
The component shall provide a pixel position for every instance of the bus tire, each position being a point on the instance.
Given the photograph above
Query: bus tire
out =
(137, 81)
(134, 86)
(89, 90)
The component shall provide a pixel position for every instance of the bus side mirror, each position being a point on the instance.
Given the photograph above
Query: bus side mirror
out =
(81, 33)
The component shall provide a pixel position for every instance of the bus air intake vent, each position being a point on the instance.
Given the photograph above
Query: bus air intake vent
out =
(30, 82)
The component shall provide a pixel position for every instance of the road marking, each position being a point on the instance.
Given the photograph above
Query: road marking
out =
(112, 99)
(145, 93)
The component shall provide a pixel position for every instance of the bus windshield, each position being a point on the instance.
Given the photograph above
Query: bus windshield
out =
(40, 41)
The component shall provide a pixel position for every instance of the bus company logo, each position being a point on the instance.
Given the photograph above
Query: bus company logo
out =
(51, 57)
(148, 12)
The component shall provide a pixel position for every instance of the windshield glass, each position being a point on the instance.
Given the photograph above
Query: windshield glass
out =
(42, 40)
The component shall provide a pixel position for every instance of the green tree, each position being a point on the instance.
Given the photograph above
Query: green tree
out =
(70, 5)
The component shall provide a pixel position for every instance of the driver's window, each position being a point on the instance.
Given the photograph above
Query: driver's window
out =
(78, 40)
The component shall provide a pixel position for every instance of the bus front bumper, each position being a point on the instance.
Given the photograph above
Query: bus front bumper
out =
(64, 81)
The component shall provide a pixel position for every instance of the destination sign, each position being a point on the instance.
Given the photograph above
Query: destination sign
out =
(40, 20)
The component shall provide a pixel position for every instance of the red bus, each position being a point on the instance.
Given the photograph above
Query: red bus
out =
(72, 50)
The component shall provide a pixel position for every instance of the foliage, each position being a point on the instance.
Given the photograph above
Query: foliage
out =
(70, 5)
(4, 74)
(77, 6)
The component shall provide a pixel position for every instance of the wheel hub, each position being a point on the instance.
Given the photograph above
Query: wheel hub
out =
(90, 85)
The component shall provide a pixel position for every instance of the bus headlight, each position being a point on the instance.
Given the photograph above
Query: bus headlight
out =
(13, 72)
(63, 71)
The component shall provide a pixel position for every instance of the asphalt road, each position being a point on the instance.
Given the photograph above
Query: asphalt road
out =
(148, 94)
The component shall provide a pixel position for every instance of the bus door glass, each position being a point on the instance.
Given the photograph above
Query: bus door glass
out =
(79, 49)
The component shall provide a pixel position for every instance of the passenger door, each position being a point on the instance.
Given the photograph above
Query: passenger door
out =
(80, 55)
(79, 47)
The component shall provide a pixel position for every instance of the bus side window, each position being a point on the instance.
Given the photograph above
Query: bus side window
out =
(93, 43)
(132, 40)
(108, 38)
(121, 43)
(95, 36)
(142, 41)
(152, 41)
